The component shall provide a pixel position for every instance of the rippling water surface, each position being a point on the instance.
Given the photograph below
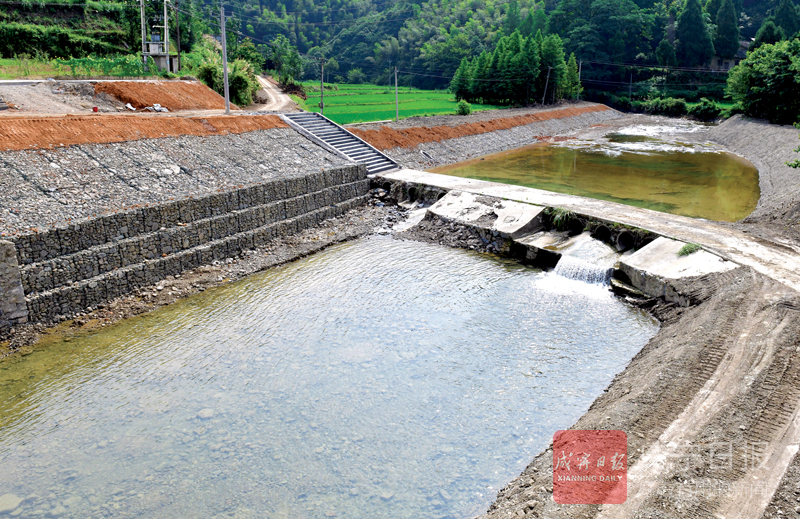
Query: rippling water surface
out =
(638, 166)
(379, 378)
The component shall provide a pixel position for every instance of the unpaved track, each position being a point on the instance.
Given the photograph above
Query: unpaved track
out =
(278, 101)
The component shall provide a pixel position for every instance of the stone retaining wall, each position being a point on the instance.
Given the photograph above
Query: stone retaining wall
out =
(70, 268)
(13, 309)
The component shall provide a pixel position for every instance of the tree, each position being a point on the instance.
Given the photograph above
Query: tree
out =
(552, 58)
(786, 18)
(247, 51)
(526, 27)
(767, 82)
(284, 58)
(665, 54)
(459, 85)
(726, 36)
(572, 82)
(512, 18)
(769, 33)
(356, 75)
(694, 46)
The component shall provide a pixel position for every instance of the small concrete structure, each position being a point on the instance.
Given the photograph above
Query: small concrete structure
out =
(13, 308)
(651, 268)
(508, 219)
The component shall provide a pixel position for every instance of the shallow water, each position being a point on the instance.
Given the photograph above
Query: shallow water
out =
(379, 378)
(635, 167)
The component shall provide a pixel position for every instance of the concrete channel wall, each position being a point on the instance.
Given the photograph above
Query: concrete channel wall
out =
(73, 267)
(657, 268)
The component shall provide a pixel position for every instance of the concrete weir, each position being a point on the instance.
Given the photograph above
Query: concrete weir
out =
(781, 263)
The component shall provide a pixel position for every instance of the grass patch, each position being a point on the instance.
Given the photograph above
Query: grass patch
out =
(347, 103)
(689, 248)
(560, 216)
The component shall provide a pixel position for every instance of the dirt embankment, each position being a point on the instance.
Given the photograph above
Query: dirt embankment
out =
(387, 138)
(173, 95)
(25, 133)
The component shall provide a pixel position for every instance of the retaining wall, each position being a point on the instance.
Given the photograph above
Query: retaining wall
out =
(70, 268)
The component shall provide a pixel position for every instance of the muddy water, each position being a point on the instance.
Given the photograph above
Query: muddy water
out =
(638, 166)
(380, 378)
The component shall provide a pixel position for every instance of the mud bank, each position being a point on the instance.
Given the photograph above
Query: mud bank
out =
(442, 140)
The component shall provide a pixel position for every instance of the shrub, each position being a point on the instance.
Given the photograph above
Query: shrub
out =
(463, 108)
(665, 106)
(707, 110)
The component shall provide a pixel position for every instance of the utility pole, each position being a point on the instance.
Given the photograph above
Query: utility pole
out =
(144, 37)
(396, 98)
(321, 86)
(547, 82)
(178, 27)
(225, 61)
(630, 88)
(580, 68)
(166, 34)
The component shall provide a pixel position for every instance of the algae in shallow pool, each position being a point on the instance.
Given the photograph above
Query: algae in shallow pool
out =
(633, 170)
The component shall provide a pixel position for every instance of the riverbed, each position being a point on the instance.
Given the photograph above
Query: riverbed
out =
(378, 378)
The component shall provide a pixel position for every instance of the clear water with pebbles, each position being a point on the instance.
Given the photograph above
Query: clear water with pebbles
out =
(379, 378)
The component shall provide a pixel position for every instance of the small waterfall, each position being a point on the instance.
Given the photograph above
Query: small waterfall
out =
(574, 268)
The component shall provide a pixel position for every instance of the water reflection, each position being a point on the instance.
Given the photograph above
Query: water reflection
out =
(379, 378)
(632, 167)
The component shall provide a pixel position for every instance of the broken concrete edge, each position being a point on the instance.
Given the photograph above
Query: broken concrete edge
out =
(13, 308)
(49, 276)
(638, 275)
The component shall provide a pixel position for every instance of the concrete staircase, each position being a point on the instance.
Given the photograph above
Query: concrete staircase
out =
(333, 137)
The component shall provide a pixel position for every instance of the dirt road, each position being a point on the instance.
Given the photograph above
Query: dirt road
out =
(278, 101)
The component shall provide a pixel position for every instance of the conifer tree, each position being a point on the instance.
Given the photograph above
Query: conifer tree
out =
(552, 59)
(665, 54)
(459, 85)
(726, 37)
(769, 33)
(512, 18)
(529, 67)
(694, 46)
(479, 74)
(572, 82)
(526, 27)
(786, 18)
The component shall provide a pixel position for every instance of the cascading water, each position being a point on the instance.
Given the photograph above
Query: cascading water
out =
(575, 268)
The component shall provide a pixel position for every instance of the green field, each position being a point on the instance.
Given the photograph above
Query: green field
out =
(362, 103)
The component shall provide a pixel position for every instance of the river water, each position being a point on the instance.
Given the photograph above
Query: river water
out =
(642, 166)
(379, 378)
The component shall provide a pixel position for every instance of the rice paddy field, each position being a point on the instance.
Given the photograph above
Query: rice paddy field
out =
(347, 103)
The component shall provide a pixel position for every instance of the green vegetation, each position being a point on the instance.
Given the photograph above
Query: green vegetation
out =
(351, 103)
(767, 83)
(463, 108)
(560, 217)
(689, 248)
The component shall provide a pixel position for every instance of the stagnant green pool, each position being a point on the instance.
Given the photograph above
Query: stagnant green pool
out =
(636, 168)
(379, 378)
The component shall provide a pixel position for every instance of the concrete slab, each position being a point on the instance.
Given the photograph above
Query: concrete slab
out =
(509, 219)
(651, 268)
(779, 261)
